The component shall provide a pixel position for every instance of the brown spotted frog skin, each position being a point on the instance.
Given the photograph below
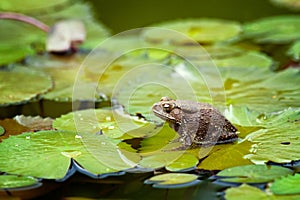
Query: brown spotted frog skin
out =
(195, 122)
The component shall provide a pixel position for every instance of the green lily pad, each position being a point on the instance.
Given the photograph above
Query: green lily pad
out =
(13, 181)
(237, 193)
(201, 30)
(53, 150)
(278, 29)
(173, 180)
(227, 56)
(286, 185)
(253, 173)
(184, 162)
(19, 85)
(112, 123)
(26, 5)
(278, 140)
(294, 51)
(225, 156)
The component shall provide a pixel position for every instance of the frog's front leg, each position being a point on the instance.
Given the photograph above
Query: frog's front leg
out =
(185, 137)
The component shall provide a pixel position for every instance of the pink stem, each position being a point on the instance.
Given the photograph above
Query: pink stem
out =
(26, 19)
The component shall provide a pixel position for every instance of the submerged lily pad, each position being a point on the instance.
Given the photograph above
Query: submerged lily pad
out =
(278, 29)
(286, 185)
(201, 30)
(53, 150)
(278, 140)
(173, 180)
(22, 84)
(13, 181)
(253, 173)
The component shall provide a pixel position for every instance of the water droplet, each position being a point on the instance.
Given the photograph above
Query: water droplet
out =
(79, 114)
(78, 137)
(108, 118)
(103, 143)
(94, 127)
(111, 127)
(27, 137)
(81, 118)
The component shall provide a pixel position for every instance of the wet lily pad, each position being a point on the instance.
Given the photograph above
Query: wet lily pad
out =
(112, 123)
(173, 180)
(20, 85)
(277, 29)
(13, 181)
(253, 173)
(53, 150)
(278, 141)
(201, 30)
(286, 185)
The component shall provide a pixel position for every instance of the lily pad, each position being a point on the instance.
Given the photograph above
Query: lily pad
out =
(254, 193)
(13, 181)
(277, 29)
(26, 5)
(253, 173)
(278, 140)
(173, 180)
(225, 156)
(19, 85)
(53, 150)
(201, 30)
(286, 185)
(112, 123)
(227, 56)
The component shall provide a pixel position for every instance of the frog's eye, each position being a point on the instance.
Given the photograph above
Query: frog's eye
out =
(167, 107)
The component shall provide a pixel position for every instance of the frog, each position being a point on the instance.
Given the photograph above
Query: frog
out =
(195, 122)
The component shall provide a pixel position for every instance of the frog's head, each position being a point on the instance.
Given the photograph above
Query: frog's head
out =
(168, 110)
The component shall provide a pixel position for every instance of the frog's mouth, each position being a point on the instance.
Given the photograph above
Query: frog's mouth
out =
(159, 112)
